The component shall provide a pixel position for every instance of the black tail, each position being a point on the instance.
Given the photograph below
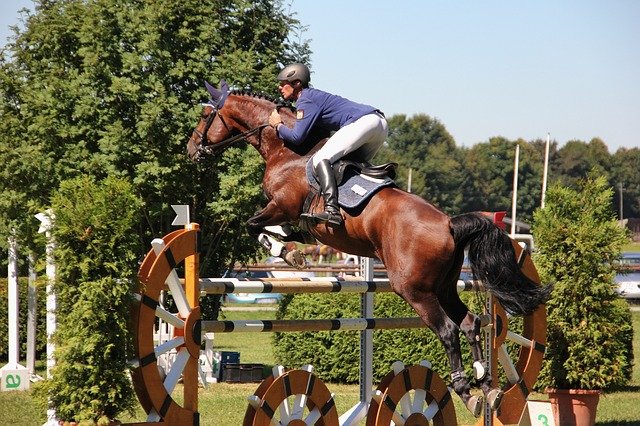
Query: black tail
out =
(493, 262)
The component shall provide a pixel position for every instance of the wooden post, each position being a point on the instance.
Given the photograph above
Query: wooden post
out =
(192, 283)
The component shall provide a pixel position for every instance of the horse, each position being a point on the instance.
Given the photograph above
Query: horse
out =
(421, 247)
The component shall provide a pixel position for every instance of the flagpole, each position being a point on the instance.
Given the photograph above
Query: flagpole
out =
(515, 191)
(545, 171)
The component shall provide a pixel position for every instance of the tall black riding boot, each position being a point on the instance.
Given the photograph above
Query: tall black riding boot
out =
(329, 189)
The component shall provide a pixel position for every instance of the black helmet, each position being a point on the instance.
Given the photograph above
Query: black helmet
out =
(295, 72)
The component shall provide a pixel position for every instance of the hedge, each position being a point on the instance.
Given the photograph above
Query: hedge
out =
(335, 355)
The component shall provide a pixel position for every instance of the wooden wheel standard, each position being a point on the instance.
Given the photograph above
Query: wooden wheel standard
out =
(294, 398)
(413, 395)
(153, 390)
(526, 347)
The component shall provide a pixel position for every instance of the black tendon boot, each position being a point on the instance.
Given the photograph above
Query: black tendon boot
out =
(329, 189)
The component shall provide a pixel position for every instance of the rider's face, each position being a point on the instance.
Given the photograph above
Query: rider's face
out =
(288, 90)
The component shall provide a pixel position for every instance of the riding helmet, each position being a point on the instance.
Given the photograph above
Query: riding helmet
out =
(295, 72)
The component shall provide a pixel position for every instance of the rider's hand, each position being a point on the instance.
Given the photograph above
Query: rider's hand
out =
(274, 119)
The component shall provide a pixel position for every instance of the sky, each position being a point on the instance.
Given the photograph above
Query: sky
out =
(517, 69)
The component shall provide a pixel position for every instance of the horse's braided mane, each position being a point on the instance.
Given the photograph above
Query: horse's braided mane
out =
(264, 96)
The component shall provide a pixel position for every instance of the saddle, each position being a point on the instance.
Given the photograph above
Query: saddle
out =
(357, 181)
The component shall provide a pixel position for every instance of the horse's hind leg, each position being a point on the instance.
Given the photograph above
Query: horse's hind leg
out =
(429, 309)
(471, 324)
(471, 327)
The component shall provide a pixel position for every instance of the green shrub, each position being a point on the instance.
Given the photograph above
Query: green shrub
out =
(96, 257)
(589, 327)
(335, 355)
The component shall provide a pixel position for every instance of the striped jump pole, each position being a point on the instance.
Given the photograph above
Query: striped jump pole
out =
(308, 285)
(281, 326)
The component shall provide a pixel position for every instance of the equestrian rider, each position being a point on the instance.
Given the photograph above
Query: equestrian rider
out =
(357, 127)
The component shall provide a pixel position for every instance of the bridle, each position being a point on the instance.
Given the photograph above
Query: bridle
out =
(205, 149)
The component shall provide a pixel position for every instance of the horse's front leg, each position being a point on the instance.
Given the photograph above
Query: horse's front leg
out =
(270, 215)
(269, 227)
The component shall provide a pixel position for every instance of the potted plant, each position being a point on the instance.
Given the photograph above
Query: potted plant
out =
(589, 334)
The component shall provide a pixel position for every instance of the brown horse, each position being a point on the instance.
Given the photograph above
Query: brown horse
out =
(421, 247)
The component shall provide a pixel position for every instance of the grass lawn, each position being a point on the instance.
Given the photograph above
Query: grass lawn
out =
(224, 404)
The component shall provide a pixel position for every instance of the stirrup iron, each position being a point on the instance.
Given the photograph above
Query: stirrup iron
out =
(323, 217)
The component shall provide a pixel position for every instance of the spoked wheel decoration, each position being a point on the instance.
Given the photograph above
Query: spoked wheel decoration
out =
(413, 395)
(529, 349)
(294, 398)
(154, 391)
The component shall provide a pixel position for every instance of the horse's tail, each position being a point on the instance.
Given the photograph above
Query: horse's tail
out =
(493, 261)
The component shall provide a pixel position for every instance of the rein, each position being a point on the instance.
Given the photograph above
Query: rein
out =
(205, 149)
(210, 149)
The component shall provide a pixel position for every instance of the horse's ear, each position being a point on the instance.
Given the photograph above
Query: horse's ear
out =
(224, 88)
(218, 96)
(215, 93)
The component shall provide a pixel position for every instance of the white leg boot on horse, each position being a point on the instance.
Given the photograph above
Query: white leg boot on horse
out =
(471, 326)
(292, 257)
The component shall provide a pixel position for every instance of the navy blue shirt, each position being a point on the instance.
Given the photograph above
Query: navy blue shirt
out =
(317, 108)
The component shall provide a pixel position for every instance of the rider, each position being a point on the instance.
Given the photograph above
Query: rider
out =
(358, 127)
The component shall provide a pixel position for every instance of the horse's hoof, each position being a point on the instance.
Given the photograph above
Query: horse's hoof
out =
(295, 258)
(494, 398)
(474, 405)
(479, 372)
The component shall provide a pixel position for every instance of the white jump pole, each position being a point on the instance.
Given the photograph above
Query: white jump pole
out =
(13, 376)
(13, 296)
(514, 200)
(545, 171)
(359, 411)
(32, 308)
(46, 224)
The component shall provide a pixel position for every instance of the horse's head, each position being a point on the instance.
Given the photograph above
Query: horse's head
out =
(212, 131)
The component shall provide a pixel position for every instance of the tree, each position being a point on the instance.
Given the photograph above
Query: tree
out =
(491, 166)
(96, 254)
(624, 173)
(576, 159)
(589, 327)
(423, 145)
(111, 88)
(530, 170)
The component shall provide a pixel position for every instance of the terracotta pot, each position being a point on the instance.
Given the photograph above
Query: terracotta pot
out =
(574, 407)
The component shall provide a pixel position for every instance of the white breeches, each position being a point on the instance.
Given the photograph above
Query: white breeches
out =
(366, 135)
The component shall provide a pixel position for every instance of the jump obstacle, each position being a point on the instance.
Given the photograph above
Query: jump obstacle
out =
(391, 400)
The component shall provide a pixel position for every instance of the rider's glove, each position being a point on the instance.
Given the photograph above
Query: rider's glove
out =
(274, 119)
